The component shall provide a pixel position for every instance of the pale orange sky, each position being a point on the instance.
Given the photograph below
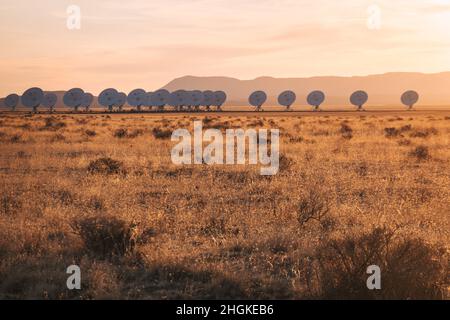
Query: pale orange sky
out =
(142, 43)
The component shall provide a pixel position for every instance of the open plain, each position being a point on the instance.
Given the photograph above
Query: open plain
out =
(100, 191)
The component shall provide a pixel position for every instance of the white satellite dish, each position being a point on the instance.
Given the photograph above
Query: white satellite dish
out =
(257, 99)
(160, 98)
(121, 99)
(137, 98)
(73, 98)
(315, 99)
(49, 101)
(410, 98)
(32, 98)
(219, 99)
(87, 100)
(11, 101)
(196, 98)
(208, 99)
(107, 98)
(359, 98)
(287, 99)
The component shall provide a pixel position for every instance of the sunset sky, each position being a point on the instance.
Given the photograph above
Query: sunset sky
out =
(147, 43)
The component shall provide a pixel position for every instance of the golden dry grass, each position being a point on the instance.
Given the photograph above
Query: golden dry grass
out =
(223, 231)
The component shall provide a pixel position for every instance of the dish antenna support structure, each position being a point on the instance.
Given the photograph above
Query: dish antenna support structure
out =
(137, 98)
(12, 101)
(49, 101)
(257, 99)
(410, 98)
(87, 100)
(315, 99)
(107, 98)
(32, 98)
(219, 99)
(359, 98)
(287, 99)
(74, 98)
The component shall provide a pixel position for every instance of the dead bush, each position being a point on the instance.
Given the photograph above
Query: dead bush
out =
(106, 166)
(410, 268)
(313, 206)
(107, 236)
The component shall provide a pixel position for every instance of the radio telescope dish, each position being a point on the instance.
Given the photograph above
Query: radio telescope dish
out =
(178, 99)
(87, 100)
(137, 98)
(160, 98)
(121, 99)
(219, 99)
(187, 100)
(32, 98)
(107, 98)
(410, 98)
(148, 100)
(208, 99)
(359, 98)
(257, 99)
(11, 101)
(196, 98)
(73, 98)
(49, 101)
(315, 99)
(287, 98)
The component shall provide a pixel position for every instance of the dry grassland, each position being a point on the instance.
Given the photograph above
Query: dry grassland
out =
(100, 191)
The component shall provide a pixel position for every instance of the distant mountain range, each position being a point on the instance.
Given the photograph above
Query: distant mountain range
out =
(383, 89)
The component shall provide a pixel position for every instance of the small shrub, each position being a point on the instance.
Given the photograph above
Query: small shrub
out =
(424, 133)
(159, 133)
(411, 269)
(346, 131)
(421, 153)
(106, 166)
(52, 124)
(405, 128)
(285, 163)
(404, 142)
(57, 138)
(90, 133)
(107, 237)
(391, 132)
(120, 133)
(16, 138)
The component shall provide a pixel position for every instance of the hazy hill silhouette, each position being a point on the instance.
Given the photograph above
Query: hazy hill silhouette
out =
(383, 89)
